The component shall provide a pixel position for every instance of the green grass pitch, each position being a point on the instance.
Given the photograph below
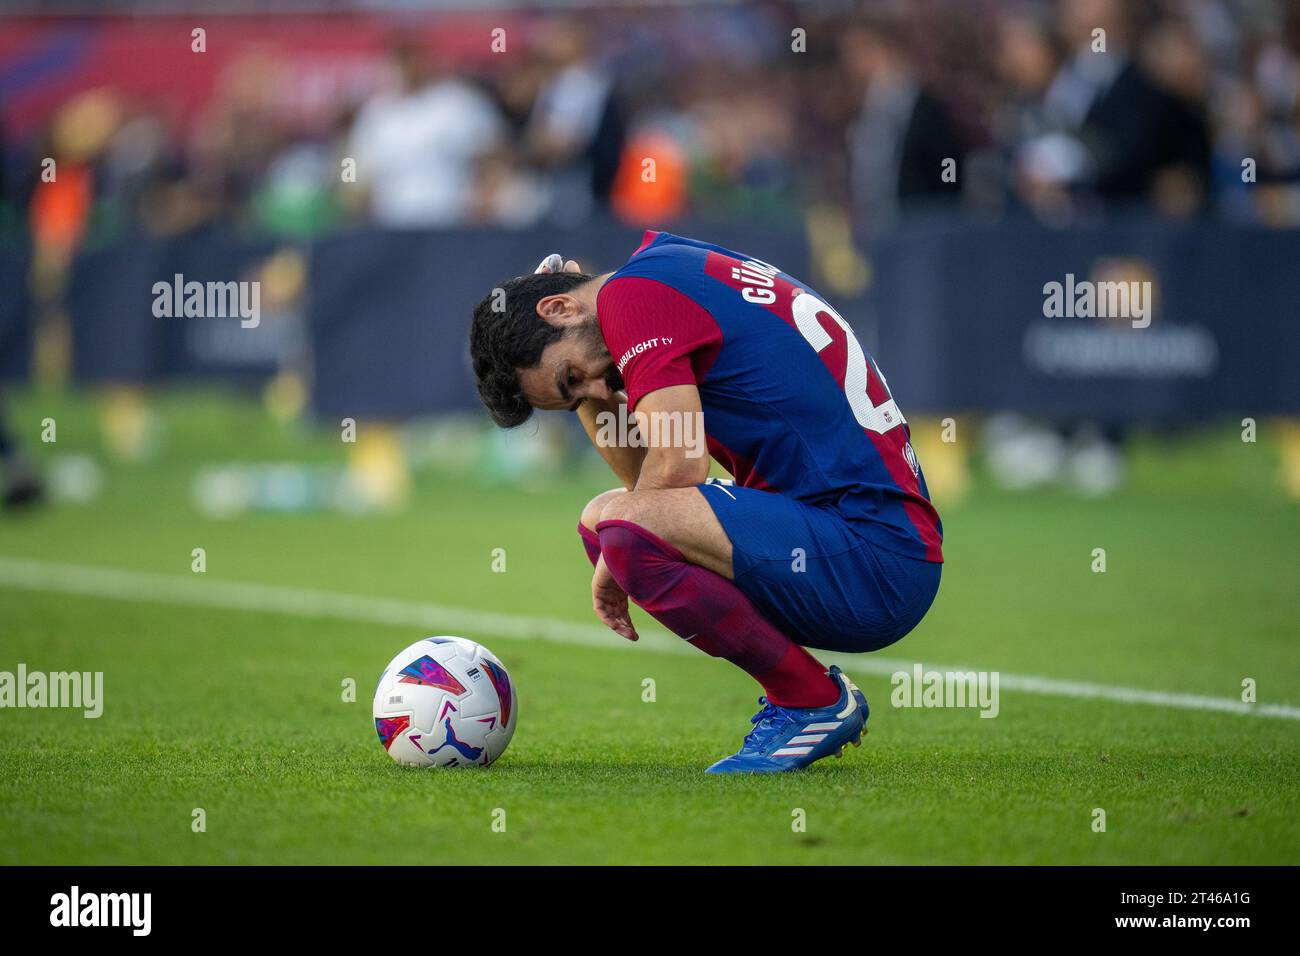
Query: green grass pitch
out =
(240, 713)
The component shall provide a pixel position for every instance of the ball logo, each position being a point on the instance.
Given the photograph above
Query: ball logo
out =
(912, 463)
(451, 740)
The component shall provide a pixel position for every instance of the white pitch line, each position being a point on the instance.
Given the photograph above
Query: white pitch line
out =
(201, 591)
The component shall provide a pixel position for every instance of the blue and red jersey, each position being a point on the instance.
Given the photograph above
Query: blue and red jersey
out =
(792, 403)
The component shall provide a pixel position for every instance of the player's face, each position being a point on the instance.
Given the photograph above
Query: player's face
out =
(576, 367)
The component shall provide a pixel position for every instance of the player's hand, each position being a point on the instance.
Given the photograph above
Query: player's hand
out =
(610, 603)
(556, 263)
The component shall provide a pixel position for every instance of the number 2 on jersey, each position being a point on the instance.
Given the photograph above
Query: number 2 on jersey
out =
(879, 418)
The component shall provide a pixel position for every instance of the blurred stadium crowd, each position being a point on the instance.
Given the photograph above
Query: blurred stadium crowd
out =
(803, 115)
(755, 111)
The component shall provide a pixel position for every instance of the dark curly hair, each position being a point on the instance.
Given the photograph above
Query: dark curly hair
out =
(507, 335)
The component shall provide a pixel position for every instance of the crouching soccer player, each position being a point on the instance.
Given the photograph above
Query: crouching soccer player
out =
(826, 539)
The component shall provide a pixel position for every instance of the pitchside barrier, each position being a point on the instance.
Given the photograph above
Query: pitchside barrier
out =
(1006, 317)
(1132, 321)
(130, 322)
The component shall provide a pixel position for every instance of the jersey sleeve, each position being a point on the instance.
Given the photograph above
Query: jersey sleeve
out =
(657, 336)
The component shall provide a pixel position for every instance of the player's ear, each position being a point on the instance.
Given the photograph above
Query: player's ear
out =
(556, 308)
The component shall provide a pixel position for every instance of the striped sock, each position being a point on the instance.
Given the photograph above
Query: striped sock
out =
(710, 612)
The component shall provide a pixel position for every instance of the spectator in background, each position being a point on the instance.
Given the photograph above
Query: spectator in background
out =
(1258, 117)
(902, 136)
(1177, 62)
(1106, 104)
(576, 128)
(506, 192)
(741, 144)
(233, 144)
(418, 145)
(1028, 59)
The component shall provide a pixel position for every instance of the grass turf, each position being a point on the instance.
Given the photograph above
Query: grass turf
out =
(240, 713)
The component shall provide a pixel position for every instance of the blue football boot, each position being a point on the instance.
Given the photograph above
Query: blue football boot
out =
(790, 738)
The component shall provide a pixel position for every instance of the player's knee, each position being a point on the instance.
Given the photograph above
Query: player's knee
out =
(621, 507)
(643, 565)
(594, 511)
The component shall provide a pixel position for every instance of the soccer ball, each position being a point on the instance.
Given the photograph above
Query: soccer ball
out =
(445, 702)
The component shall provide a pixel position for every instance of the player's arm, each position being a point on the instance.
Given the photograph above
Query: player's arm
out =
(625, 462)
(666, 338)
(671, 422)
